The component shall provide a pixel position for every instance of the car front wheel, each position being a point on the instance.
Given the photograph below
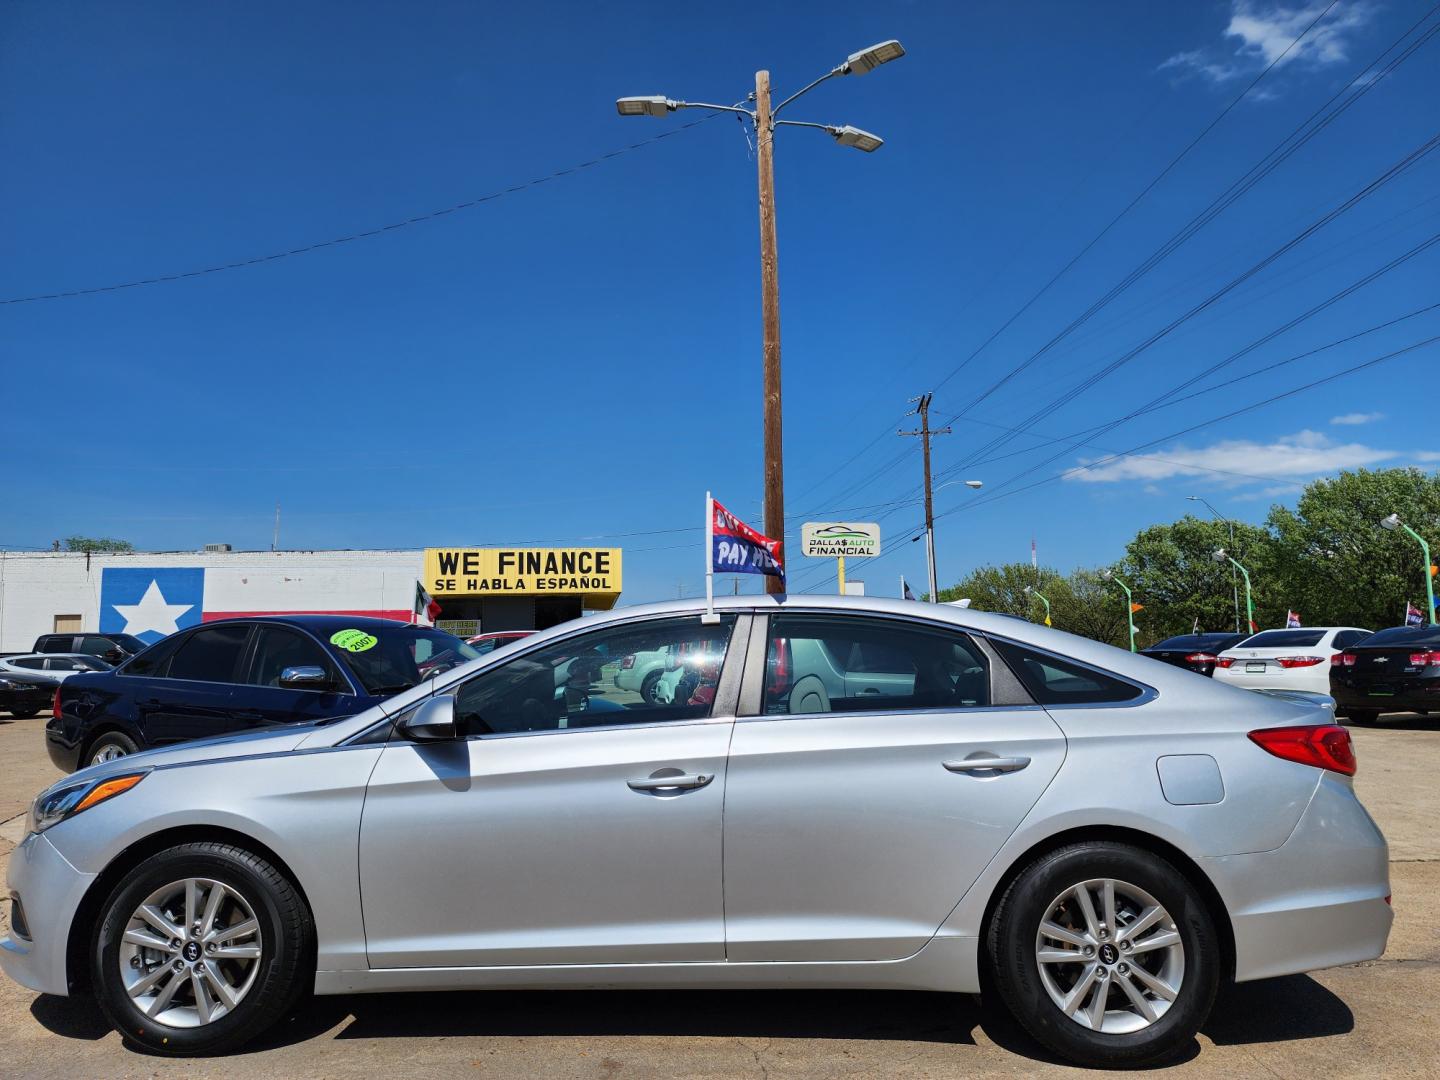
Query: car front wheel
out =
(200, 949)
(1106, 954)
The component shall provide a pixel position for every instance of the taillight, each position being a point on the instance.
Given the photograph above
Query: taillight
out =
(1201, 658)
(55, 705)
(1298, 661)
(1343, 659)
(1425, 659)
(627, 663)
(1224, 661)
(1325, 746)
(778, 670)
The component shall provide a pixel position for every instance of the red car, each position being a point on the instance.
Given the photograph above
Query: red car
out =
(486, 643)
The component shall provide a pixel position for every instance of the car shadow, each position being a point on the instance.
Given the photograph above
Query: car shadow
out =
(1277, 1010)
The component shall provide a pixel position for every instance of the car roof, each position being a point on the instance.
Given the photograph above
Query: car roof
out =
(49, 656)
(324, 622)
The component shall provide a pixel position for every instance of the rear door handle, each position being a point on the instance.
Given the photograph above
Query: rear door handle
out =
(666, 783)
(987, 764)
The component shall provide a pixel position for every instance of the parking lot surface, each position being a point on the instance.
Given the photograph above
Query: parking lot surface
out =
(1372, 1019)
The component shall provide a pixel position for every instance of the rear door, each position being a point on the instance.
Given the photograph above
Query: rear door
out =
(854, 821)
(195, 699)
(261, 701)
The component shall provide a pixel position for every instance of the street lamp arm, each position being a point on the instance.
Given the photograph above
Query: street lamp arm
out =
(715, 108)
(806, 89)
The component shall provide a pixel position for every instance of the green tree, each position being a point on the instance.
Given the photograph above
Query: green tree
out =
(1172, 570)
(1337, 563)
(97, 544)
(1002, 588)
(1092, 607)
(1082, 602)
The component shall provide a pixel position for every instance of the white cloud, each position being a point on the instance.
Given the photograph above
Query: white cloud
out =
(1236, 461)
(1260, 33)
(1356, 418)
(1427, 456)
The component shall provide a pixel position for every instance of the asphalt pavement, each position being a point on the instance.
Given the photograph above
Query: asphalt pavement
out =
(1372, 1019)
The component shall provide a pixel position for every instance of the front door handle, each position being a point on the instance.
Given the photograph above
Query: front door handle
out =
(666, 783)
(987, 764)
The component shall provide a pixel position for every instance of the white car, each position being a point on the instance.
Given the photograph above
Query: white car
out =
(51, 668)
(641, 672)
(1294, 659)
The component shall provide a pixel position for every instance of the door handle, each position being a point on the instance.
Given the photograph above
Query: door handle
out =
(665, 783)
(987, 764)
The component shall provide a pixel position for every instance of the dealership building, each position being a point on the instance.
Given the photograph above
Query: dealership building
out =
(151, 594)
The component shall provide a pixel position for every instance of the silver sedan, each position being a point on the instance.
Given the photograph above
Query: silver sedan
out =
(847, 793)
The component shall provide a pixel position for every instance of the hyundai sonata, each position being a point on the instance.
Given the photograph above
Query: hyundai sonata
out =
(848, 793)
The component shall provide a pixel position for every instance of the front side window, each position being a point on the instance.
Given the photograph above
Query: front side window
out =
(210, 655)
(1053, 681)
(278, 648)
(60, 663)
(844, 663)
(573, 683)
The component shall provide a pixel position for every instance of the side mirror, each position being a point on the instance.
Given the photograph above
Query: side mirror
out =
(305, 677)
(114, 656)
(432, 721)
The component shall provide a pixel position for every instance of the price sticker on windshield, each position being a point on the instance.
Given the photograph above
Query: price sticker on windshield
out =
(353, 640)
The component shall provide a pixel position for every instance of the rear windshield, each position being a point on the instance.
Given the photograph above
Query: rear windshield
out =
(1194, 641)
(1282, 639)
(1399, 637)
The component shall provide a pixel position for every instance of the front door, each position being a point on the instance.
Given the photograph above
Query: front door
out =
(855, 814)
(263, 701)
(573, 823)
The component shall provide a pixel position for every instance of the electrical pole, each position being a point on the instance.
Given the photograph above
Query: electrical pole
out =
(770, 316)
(275, 542)
(922, 407)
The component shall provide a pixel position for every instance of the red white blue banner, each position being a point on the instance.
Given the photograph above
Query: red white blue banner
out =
(736, 548)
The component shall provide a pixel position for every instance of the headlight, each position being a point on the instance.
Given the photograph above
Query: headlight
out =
(58, 803)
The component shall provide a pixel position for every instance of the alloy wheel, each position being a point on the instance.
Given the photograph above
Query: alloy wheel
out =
(108, 752)
(190, 952)
(1110, 956)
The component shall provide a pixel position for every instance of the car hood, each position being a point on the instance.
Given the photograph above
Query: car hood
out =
(250, 744)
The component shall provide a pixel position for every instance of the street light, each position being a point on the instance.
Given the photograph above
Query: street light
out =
(765, 120)
(1031, 591)
(1234, 581)
(1110, 575)
(1392, 523)
(1223, 556)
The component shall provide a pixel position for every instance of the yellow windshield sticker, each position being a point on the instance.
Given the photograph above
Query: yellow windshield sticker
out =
(353, 640)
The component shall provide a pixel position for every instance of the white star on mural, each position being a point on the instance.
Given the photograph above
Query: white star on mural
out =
(151, 613)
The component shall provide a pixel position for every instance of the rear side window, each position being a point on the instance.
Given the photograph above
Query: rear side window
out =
(1346, 638)
(210, 655)
(1053, 681)
(154, 661)
(845, 663)
(56, 643)
(34, 663)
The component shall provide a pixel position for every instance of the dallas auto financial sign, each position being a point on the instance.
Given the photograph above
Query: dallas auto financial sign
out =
(839, 539)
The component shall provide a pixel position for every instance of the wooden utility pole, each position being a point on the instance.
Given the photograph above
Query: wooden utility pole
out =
(922, 406)
(770, 313)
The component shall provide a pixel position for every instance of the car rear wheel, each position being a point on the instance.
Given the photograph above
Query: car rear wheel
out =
(648, 685)
(110, 746)
(1106, 954)
(23, 714)
(1362, 717)
(200, 949)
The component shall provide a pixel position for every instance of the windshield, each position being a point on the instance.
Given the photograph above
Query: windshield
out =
(1282, 639)
(401, 656)
(1400, 637)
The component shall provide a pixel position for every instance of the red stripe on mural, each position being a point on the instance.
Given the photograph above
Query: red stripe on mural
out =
(398, 614)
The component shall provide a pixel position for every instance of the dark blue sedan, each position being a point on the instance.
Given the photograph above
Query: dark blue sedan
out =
(238, 675)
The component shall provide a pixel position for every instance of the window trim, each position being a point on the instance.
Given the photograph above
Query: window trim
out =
(753, 693)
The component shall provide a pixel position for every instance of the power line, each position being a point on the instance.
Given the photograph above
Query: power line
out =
(366, 234)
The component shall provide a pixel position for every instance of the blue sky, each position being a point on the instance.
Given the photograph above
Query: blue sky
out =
(581, 359)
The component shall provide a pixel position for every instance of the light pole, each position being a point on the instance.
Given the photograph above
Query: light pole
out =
(1110, 575)
(1392, 523)
(1031, 591)
(1234, 581)
(765, 121)
(1222, 556)
(973, 485)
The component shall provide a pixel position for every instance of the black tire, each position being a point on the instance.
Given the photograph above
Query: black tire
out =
(117, 742)
(1011, 940)
(286, 948)
(648, 684)
(23, 714)
(1362, 717)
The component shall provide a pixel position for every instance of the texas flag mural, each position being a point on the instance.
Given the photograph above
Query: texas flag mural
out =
(153, 601)
(736, 548)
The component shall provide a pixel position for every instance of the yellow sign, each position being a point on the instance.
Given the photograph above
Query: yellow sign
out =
(483, 572)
